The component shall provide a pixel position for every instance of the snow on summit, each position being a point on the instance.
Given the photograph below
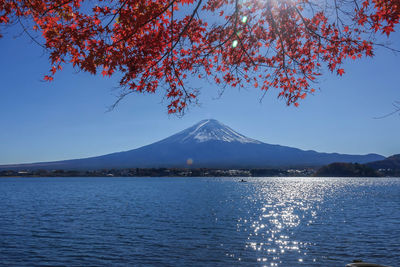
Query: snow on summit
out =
(210, 130)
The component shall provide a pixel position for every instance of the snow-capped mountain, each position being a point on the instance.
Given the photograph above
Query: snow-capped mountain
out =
(208, 144)
(209, 130)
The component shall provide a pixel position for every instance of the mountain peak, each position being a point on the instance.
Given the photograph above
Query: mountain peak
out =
(209, 130)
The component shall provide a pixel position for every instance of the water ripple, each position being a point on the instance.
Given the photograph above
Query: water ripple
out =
(199, 221)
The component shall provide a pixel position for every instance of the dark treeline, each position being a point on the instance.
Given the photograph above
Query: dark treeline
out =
(331, 170)
(160, 172)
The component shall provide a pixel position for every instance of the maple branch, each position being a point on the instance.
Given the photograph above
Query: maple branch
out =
(29, 35)
(172, 26)
(180, 35)
(55, 7)
(396, 106)
(146, 22)
(213, 48)
(116, 13)
(159, 14)
(236, 14)
(180, 82)
(282, 45)
(245, 51)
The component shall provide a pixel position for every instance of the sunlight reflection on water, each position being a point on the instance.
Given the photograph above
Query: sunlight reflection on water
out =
(284, 205)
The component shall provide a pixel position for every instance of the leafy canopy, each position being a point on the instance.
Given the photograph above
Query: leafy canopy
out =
(159, 44)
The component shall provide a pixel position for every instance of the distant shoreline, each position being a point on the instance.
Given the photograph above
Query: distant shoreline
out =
(163, 172)
(183, 177)
(331, 170)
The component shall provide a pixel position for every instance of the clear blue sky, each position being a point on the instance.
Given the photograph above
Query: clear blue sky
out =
(67, 118)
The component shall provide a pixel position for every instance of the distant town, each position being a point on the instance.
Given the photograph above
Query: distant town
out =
(331, 170)
(160, 172)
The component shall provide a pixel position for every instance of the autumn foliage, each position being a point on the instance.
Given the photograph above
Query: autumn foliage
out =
(159, 44)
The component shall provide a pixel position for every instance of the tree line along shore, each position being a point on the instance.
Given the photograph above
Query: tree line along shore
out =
(331, 170)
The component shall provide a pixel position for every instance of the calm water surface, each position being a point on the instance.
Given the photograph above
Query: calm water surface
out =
(199, 221)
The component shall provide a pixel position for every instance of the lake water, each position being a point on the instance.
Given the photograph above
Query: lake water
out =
(199, 221)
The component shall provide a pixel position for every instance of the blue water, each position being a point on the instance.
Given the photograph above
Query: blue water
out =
(199, 221)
